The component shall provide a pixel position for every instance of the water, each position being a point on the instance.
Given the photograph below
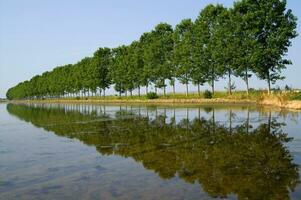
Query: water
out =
(50, 151)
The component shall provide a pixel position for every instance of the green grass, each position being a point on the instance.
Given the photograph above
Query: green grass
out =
(239, 95)
(255, 95)
(297, 96)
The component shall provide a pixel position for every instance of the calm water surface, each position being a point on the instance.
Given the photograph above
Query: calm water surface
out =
(50, 151)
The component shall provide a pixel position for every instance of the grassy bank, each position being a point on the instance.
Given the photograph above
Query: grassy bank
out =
(289, 100)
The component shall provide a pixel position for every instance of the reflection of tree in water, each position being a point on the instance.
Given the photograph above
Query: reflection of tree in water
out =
(251, 163)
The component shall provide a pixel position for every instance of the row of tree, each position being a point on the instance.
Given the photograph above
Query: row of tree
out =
(251, 38)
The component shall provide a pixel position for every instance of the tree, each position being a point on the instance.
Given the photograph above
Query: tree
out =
(158, 54)
(147, 74)
(275, 28)
(136, 66)
(183, 43)
(101, 63)
(118, 69)
(205, 39)
(224, 42)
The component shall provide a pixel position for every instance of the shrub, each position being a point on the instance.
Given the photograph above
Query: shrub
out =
(152, 95)
(297, 96)
(252, 90)
(287, 88)
(77, 98)
(207, 94)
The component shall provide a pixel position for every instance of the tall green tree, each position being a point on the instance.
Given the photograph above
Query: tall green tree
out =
(205, 41)
(147, 74)
(118, 69)
(100, 64)
(158, 54)
(183, 58)
(225, 46)
(136, 72)
(275, 28)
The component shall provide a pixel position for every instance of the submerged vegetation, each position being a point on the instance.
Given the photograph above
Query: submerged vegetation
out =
(236, 156)
(250, 38)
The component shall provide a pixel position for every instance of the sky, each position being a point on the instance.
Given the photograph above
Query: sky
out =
(36, 36)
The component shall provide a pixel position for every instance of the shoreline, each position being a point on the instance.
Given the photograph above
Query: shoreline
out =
(290, 105)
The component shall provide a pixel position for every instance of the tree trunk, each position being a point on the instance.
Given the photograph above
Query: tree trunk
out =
(186, 77)
(199, 91)
(104, 92)
(269, 83)
(229, 83)
(146, 88)
(186, 89)
(212, 86)
(131, 93)
(139, 90)
(247, 81)
(174, 89)
(164, 89)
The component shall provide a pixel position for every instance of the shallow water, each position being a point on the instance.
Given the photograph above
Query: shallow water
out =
(50, 151)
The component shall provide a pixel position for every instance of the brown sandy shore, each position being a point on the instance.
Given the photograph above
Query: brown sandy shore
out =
(272, 102)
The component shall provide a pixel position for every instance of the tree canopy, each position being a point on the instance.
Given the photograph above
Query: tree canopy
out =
(250, 38)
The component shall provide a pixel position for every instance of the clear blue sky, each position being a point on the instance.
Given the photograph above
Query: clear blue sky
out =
(36, 36)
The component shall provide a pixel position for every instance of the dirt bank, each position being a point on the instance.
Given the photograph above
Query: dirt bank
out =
(267, 101)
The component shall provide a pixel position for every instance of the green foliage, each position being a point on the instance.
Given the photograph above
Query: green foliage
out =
(100, 69)
(207, 94)
(272, 27)
(157, 55)
(152, 95)
(297, 96)
(253, 37)
(287, 88)
(183, 42)
(207, 69)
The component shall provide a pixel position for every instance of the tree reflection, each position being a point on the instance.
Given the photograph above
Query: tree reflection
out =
(251, 163)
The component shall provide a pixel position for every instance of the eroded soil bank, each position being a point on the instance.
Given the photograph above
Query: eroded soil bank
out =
(275, 102)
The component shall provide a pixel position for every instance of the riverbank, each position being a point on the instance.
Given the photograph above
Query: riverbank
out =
(283, 101)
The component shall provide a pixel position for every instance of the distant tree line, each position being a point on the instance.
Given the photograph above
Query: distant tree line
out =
(250, 38)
